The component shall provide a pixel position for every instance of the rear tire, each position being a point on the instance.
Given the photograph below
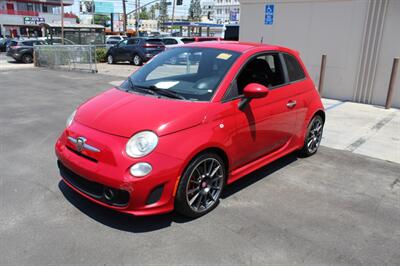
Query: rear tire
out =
(313, 136)
(27, 58)
(201, 185)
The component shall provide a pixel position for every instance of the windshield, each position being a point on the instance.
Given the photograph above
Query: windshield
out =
(189, 73)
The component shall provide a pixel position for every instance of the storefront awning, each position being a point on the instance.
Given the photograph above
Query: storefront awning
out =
(72, 26)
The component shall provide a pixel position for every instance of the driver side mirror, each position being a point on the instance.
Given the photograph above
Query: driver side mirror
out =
(252, 91)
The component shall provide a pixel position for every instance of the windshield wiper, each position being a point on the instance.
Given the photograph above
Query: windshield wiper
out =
(139, 88)
(164, 92)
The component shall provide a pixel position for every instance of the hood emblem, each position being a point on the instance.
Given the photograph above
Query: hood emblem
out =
(80, 144)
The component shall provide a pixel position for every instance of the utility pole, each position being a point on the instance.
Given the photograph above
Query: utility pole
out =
(62, 22)
(173, 16)
(124, 11)
(137, 17)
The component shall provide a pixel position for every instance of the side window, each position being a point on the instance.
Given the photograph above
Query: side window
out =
(265, 69)
(169, 41)
(133, 41)
(28, 43)
(295, 71)
(123, 43)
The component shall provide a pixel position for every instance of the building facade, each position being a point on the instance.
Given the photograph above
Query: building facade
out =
(359, 37)
(207, 11)
(24, 17)
(226, 11)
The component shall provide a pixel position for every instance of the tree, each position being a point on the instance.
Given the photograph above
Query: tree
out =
(101, 19)
(163, 15)
(143, 13)
(152, 12)
(194, 10)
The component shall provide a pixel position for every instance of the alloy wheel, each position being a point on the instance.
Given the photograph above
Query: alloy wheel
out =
(314, 136)
(110, 59)
(205, 185)
(136, 60)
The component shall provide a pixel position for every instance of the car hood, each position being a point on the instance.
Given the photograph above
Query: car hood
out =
(124, 114)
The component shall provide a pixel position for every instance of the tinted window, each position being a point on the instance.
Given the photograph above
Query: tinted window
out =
(133, 41)
(13, 43)
(264, 69)
(122, 43)
(187, 40)
(112, 42)
(115, 38)
(169, 41)
(153, 41)
(294, 69)
(27, 43)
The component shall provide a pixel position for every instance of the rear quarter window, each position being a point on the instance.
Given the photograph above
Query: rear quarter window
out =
(187, 40)
(154, 41)
(28, 43)
(295, 71)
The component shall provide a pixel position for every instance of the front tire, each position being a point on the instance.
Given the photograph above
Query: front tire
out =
(27, 58)
(137, 60)
(110, 59)
(313, 136)
(201, 185)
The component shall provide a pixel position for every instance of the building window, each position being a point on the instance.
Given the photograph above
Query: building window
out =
(44, 8)
(29, 6)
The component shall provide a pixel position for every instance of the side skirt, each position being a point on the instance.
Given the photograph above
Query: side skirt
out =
(252, 166)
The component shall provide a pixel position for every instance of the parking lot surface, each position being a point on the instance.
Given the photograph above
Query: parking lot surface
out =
(334, 207)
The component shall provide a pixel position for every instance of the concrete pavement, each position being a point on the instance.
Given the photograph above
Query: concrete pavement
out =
(8, 63)
(364, 129)
(336, 207)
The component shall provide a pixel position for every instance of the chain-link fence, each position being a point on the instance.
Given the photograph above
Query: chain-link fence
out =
(68, 57)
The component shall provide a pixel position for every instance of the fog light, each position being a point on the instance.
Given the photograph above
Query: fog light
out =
(140, 169)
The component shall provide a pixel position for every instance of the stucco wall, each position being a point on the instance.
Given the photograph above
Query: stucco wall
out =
(332, 27)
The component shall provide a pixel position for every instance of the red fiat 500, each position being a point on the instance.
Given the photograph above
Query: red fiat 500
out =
(177, 131)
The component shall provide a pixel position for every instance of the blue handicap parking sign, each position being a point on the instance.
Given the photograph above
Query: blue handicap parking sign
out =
(269, 15)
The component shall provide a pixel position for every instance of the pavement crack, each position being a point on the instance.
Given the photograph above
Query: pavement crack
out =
(375, 128)
(395, 182)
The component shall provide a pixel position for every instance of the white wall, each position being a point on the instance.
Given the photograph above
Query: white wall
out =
(332, 27)
(390, 48)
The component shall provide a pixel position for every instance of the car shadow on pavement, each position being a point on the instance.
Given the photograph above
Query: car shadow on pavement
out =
(134, 224)
(262, 173)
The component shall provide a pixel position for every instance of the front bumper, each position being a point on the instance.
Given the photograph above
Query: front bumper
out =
(109, 169)
(15, 56)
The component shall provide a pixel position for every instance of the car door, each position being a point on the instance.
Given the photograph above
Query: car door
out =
(130, 48)
(267, 124)
(119, 50)
(298, 87)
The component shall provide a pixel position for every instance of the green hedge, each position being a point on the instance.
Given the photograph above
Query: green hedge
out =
(101, 54)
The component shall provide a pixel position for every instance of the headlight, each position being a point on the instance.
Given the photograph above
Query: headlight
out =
(141, 144)
(70, 119)
(140, 169)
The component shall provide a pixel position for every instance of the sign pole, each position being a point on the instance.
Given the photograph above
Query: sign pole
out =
(62, 22)
(173, 16)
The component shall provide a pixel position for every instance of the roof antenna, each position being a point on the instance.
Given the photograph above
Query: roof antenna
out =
(262, 38)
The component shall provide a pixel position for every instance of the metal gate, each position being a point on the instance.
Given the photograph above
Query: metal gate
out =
(68, 57)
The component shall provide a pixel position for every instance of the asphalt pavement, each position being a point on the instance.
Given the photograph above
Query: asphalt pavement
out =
(336, 207)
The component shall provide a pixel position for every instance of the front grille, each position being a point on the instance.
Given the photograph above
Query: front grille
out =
(93, 189)
(82, 155)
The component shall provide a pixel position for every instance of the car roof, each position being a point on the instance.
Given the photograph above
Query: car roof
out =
(237, 46)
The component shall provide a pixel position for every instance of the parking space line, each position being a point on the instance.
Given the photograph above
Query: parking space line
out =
(334, 105)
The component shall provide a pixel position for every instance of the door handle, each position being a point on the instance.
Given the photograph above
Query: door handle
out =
(291, 104)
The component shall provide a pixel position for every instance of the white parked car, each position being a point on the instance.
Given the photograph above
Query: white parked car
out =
(115, 38)
(172, 41)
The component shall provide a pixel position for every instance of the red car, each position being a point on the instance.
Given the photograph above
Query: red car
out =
(172, 136)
